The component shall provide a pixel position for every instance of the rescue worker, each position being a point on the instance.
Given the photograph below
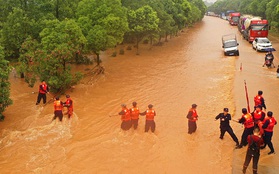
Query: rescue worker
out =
(225, 118)
(69, 105)
(253, 151)
(258, 115)
(192, 118)
(134, 115)
(125, 117)
(248, 122)
(149, 122)
(43, 89)
(58, 107)
(259, 100)
(268, 131)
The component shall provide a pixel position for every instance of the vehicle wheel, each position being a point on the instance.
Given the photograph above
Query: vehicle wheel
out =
(257, 49)
(237, 53)
(253, 47)
(225, 54)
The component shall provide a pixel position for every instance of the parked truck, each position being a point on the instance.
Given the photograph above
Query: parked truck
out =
(253, 27)
(234, 18)
(227, 13)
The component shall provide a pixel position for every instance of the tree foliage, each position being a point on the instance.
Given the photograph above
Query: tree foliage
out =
(142, 22)
(102, 18)
(264, 8)
(50, 60)
(5, 100)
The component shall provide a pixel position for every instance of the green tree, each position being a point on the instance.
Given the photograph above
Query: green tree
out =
(142, 22)
(200, 5)
(60, 42)
(50, 59)
(5, 100)
(272, 14)
(15, 30)
(102, 18)
(29, 52)
(166, 25)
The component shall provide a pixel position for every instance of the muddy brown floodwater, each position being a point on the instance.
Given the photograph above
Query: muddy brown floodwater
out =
(188, 69)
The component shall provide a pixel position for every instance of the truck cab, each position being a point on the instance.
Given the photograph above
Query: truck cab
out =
(255, 28)
(230, 45)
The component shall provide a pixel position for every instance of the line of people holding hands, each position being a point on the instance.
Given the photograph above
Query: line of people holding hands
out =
(130, 117)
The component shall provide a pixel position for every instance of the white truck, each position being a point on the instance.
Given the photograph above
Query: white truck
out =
(230, 45)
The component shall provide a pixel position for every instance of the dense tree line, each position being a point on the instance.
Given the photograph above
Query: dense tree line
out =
(268, 9)
(5, 100)
(46, 36)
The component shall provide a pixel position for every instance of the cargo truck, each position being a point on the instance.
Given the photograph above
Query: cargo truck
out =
(234, 18)
(253, 27)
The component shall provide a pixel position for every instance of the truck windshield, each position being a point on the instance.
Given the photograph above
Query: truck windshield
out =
(259, 27)
(230, 43)
(235, 18)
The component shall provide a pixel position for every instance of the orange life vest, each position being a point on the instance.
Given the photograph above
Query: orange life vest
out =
(44, 86)
(257, 100)
(271, 124)
(57, 105)
(248, 121)
(195, 114)
(150, 114)
(257, 116)
(126, 116)
(68, 103)
(135, 113)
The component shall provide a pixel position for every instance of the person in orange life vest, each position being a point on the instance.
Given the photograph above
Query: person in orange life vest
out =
(248, 122)
(253, 151)
(259, 100)
(192, 118)
(260, 126)
(58, 107)
(69, 105)
(125, 117)
(258, 115)
(225, 118)
(134, 111)
(149, 122)
(268, 126)
(43, 89)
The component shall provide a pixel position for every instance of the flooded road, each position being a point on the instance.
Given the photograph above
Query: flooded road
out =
(188, 69)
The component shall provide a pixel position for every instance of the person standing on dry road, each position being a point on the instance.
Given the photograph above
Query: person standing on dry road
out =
(268, 126)
(253, 151)
(248, 122)
(225, 118)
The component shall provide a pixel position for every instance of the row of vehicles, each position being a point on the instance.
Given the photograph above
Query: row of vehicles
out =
(253, 29)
